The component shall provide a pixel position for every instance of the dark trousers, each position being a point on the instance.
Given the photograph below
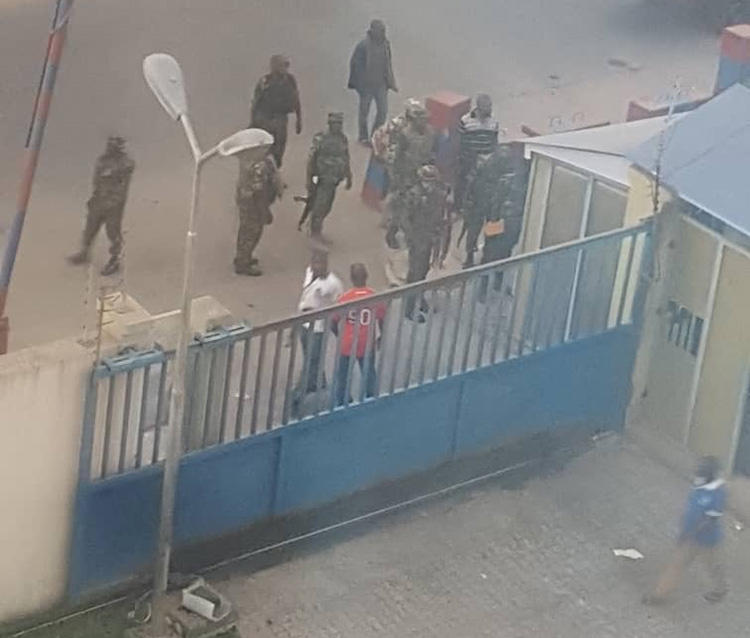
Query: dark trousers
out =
(111, 219)
(369, 376)
(495, 249)
(252, 220)
(366, 98)
(420, 255)
(325, 193)
(312, 351)
(276, 125)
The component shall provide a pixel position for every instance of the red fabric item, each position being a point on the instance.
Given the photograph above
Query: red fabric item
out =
(735, 43)
(446, 108)
(360, 317)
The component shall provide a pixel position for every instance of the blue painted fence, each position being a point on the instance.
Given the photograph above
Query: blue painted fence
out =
(557, 382)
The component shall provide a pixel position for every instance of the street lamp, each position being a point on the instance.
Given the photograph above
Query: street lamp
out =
(164, 77)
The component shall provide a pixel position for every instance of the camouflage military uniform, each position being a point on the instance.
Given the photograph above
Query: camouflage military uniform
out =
(410, 147)
(258, 186)
(423, 224)
(327, 166)
(112, 175)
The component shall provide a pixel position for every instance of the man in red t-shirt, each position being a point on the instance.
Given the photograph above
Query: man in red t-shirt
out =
(358, 332)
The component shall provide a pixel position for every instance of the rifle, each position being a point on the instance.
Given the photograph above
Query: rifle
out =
(441, 249)
(309, 201)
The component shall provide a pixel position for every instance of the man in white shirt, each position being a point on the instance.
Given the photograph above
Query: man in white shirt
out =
(321, 289)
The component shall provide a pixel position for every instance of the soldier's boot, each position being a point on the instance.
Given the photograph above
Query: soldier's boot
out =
(251, 269)
(111, 267)
(81, 257)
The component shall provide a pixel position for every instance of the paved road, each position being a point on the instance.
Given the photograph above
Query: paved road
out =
(532, 560)
(540, 60)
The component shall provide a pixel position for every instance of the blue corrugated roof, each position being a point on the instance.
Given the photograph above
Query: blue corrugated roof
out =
(705, 157)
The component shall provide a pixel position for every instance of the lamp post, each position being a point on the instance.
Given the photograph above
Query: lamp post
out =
(164, 77)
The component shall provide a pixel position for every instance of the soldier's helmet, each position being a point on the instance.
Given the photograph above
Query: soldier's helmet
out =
(115, 143)
(279, 62)
(415, 110)
(428, 173)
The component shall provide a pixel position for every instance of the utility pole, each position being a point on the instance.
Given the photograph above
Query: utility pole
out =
(42, 104)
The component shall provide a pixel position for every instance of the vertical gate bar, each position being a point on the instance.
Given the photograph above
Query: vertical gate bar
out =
(496, 335)
(108, 425)
(320, 372)
(529, 319)
(626, 280)
(470, 325)
(258, 378)
(336, 364)
(412, 348)
(483, 323)
(441, 333)
(243, 385)
(125, 420)
(573, 294)
(454, 340)
(369, 354)
(209, 397)
(160, 402)
(304, 379)
(381, 347)
(293, 337)
(142, 416)
(427, 336)
(512, 323)
(397, 345)
(225, 392)
(356, 316)
(87, 431)
(191, 393)
(274, 379)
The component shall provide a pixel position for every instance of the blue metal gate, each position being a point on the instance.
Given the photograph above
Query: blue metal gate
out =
(560, 323)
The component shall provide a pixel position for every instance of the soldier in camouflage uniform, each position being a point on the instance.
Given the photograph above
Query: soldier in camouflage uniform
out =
(327, 166)
(488, 186)
(106, 206)
(258, 186)
(410, 147)
(423, 223)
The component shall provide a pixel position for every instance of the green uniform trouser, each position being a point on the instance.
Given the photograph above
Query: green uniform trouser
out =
(111, 219)
(252, 219)
(325, 193)
(420, 256)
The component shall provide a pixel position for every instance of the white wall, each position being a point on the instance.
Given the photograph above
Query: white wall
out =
(41, 410)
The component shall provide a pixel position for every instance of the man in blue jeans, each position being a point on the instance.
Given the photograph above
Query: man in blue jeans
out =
(371, 76)
(700, 535)
(358, 334)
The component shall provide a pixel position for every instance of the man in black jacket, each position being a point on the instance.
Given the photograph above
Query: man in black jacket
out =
(276, 96)
(371, 76)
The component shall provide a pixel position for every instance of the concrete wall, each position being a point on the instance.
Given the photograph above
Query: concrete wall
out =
(41, 406)
(715, 419)
(640, 197)
(665, 371)
(42, 391)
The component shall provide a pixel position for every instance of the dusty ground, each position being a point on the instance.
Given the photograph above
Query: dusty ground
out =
(544, 62)
(508, 558)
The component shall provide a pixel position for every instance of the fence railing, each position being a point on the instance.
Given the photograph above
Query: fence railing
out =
(244, 381)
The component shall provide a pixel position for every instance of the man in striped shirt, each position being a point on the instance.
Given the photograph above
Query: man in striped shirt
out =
(478, 132)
